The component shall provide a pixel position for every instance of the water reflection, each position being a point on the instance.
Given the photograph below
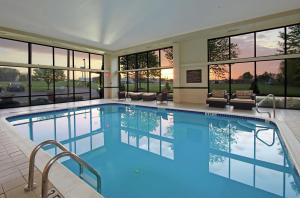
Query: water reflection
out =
(249, 153)
(79, 131)
(150, 131)
(175, 152)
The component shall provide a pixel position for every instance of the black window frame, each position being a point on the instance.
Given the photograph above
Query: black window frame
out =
(70, 64)
(148, 68)
(285, 95)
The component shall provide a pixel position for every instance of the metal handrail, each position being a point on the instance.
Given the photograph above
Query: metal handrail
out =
(265, 129)
(31, 185)
(82, 164)
(274, 105)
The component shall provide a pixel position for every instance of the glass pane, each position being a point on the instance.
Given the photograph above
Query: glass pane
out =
(13, 102)
(123, 63)
(96, 85)
(167, 80)
(293, 39)
(123, 82)
(41, 55)
(81, 60)
(142, 60)
(142, 81)
(270, 80)
(71, 81)
(242, 76)
(293, 83)
(63, 98)
(85, 96)
(13, 51)
(61, 82)
(219, 77)
(81, 82)
(71, 58)
(42, 100)
(218, 49)
(270, 42)
(42, 81)
(96, 61)
(153, 59)
(132, 81)
(131, 61)
(242, 46)
(60, 57)
(154, 76)
(13, 81)
(166, 57)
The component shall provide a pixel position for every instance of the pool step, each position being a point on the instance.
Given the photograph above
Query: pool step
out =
(88, 179)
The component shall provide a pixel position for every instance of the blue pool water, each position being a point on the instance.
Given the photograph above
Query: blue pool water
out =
(147, 152)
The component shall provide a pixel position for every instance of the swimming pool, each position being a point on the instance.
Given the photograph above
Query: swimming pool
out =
(152, 152)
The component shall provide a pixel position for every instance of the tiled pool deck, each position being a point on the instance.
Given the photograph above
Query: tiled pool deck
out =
(14, 150)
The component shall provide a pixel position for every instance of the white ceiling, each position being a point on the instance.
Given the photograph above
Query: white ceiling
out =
(118, 24)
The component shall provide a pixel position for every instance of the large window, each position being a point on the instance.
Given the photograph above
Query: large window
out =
(14, 90)
(81, 60)
(97, 85)
(270, 42)
(61, 57)
(273, 76)
(23, 86)
(63, 86)
(13, 51)
(42, 55)
(218, 49)
(242, 46)
(242, 76)
(167, 79)
(96, 61)
(154, 80)
(155, 72)
(270, 80)
(219, 77)
(42, 86)
(293, 39)
(293, 83)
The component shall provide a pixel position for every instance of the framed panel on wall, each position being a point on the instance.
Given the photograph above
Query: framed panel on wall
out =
(194, 76)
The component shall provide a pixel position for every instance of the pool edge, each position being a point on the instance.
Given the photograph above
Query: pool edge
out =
(288, 138)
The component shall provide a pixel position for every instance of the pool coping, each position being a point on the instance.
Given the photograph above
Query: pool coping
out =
(70, 185)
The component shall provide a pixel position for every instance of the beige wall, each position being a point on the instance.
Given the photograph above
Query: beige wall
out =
(190, 51)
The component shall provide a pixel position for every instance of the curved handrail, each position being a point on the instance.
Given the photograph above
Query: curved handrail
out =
(274, 105)
(265, 129)
(75, 157)
(31, 185)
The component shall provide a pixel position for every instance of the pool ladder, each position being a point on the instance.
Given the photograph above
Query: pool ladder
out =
(45, 181)
(267, 112)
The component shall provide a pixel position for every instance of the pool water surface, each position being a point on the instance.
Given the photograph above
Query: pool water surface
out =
(144, 152)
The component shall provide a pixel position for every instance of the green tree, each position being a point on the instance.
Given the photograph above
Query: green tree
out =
(47, 75)
(292, 47)
(219, 51)
(9, 74)
(292, 40)
(246, 76)
(144, 60)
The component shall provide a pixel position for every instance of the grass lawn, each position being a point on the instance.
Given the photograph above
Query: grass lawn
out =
(264, 89)
(41, 86)
(153, 87)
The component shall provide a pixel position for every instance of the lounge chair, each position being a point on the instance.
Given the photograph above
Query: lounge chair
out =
(149, 96)
(135, 96)
(243, 99)
(122, 95)
(217, 98)
(162, 97)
